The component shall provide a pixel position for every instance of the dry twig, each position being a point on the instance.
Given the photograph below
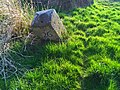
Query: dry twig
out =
(11, 17)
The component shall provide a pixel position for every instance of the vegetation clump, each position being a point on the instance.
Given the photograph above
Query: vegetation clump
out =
(88, 60)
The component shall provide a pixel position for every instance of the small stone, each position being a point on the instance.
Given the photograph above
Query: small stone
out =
(48, 26)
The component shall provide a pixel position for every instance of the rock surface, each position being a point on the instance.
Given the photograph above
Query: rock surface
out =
(63, 4)
(47, 25)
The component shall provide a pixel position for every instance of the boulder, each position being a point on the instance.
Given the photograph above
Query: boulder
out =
(63, 4)
(47, 25)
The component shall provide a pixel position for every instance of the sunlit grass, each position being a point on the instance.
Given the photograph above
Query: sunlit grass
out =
(88, 60)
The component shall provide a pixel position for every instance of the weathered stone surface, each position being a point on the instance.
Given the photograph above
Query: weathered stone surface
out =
(47, 25)
(64, 4)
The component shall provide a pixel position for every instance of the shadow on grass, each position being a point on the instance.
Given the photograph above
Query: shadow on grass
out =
(95, 82)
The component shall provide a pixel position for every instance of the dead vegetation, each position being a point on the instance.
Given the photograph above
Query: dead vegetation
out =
(15, 20)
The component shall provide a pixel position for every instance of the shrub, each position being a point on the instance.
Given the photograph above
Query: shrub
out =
(20, 18)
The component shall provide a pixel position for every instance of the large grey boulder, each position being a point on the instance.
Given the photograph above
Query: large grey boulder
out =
(47, 25)
(63, 4)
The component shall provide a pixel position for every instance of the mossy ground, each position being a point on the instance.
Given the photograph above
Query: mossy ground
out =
(88, 60)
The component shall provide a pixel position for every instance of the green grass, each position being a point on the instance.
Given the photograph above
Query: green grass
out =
(88, 60)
